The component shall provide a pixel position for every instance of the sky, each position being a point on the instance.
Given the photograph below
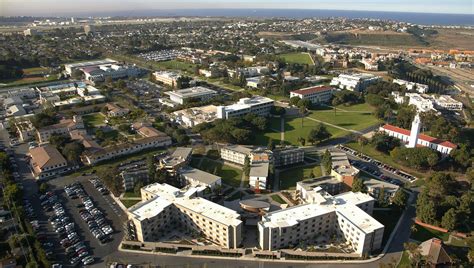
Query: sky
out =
(65, 7)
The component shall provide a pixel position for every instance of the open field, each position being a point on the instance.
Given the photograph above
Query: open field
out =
(290, 177)
(301, 58)
(129, 202)
(452, 39)
(356, 117)
(230, 176)
(175, 65)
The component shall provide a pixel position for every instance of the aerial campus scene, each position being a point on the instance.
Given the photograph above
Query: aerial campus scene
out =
(266, 133)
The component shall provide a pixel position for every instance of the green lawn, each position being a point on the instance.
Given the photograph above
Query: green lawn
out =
(404, 261)
(93, 120)
(301, 58)
(175, 65)
(389, 219)
(278, 199)
(290, 177)
(295, 129)
(131, 195)
(128, 203)
(422, 234)
(372, 152)
(230, 176)
(358, 118)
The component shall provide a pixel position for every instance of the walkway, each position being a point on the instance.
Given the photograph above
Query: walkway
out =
(282, 128)
(335, 126)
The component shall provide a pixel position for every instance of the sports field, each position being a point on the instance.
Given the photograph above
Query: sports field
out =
(301, 58)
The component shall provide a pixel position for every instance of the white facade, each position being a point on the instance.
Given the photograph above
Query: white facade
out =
(355, 82)
(257, 105)
(235, 153)
(258, 176)
(347, 216)
(420, 88)
(414, 132)
(317, 95)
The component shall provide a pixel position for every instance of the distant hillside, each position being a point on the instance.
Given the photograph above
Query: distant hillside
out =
(369, 38)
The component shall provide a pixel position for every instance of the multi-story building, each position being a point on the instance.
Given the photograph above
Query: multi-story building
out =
(114, 110)
(71, 67)
(444, 147)
(420, 88)
(63, 128)
(346, 216)
(258, 105)
(165, 208)
(375, 188)
(236, 153)
(284, 156)
(132, 177)
(26, 131)
(370, 65)
(179, 158)
(195, 116)
(355, 82)
(199, 179)
(342, 169)
(100, 73)
(305, 190)
(258, 175)
(317, 95)
(446, 102)
(249, 72)
(167, 78)
(191, 94)
(94, 156)
(47, 162)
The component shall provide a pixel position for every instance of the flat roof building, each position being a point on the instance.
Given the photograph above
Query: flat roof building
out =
(345, 216)
(257, 105)
(69, 68)
(167, 78)
(165, 208)
(355, 82)
(191, 94)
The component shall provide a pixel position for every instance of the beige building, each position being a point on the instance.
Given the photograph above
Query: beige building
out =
(114, 110)
(167, 78)
(47, 162)
(179, 158)
(236, 153)
(62, 128)
(166, 207)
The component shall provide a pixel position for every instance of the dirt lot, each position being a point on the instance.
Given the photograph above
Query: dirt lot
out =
(453, 39)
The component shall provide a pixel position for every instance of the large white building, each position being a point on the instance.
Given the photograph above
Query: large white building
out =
(425, 103)
(71, 67)
(165, 207)
(346, 216)
(420, 88)
(99, 73)
(194, 93)
(317, 95)
(258, 175)
(257, 105)
(355, 82)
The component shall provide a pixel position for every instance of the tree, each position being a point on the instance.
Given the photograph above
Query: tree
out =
(150, 163)
(400, 198)
(381, 197)
(302, 141)
(294, 101)
(384, 143)
(73, 151)
(415, 254)
(271, 144)
(318, 134)
(327, 161)
(277, 110)
(43, 188)
(358, 186)
(246, 168)
(449, 219)
(425, 208)
(462, 156)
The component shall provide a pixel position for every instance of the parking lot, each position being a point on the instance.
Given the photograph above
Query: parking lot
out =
(377, 168)
(84, 207)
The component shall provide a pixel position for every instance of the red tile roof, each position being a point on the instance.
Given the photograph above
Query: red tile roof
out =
(310, 90)
(420, 136)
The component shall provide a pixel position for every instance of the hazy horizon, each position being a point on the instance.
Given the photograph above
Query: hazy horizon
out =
(108, 7)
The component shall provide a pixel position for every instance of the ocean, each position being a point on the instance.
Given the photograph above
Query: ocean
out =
(417, 18)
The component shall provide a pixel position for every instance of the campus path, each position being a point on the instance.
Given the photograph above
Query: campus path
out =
(335, 126)
(282, 128)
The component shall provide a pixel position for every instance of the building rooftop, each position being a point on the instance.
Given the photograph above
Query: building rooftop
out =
(311, 90)
(358, 217)
(210, 209)
(341, 164)
(259, 170)
(89, 63)
(149, 208)
(239, 148)
(292, 215)
(199, 175)
(424, 137)
(246, 103)
(192, 92)
(45, 156)
(373, 183)
(352, 198)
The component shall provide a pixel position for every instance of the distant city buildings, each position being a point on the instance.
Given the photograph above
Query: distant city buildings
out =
(420, 88)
